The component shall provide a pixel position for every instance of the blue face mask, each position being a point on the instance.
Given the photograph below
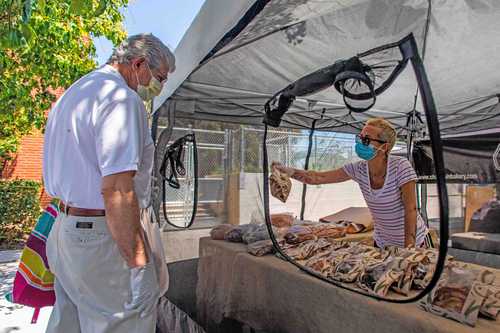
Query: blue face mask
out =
(365, 152)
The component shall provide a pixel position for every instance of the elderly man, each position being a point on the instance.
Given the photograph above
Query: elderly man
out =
(98, 157)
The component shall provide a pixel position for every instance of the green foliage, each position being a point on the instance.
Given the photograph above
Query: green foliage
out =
(46, 45)
(19, 210)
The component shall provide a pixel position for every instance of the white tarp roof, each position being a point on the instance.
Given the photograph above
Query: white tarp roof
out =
(282, 41)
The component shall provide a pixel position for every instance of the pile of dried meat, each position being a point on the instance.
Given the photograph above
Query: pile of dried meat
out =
(372, 269)
(285, 227)
(245, 233)
(463, 293)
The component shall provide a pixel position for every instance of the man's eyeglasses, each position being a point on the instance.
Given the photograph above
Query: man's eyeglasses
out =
(161, 78)
(366, 140)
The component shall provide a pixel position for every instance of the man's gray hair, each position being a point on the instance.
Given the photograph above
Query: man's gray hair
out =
(143, 46)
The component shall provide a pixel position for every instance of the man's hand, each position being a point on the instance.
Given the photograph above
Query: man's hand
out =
(145, 290)
(122, 216)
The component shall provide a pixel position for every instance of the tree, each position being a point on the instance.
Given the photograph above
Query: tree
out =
(46, 45)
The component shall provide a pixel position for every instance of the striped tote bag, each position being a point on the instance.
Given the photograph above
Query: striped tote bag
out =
(34, 283)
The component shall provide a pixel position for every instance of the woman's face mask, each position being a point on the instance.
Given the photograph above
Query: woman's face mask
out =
(153, 89)
(364, 149)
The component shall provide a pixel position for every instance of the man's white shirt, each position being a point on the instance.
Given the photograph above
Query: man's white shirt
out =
(97, 128)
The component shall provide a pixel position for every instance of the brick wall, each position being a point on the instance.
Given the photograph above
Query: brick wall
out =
(27, 163)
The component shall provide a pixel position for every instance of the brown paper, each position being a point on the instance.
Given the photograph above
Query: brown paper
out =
(491, 305)
(457, 296)
(260, 248)
(358, 215)
(280, 184)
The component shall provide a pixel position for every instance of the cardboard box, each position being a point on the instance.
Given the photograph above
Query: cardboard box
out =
(355, 214)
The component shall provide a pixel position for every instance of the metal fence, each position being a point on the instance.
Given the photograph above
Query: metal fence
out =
(329, 150)
(211, 147)
(236, 150)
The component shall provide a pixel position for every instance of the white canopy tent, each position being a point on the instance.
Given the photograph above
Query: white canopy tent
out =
(237, 54)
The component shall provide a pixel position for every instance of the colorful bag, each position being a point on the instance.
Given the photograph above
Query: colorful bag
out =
(34, 282)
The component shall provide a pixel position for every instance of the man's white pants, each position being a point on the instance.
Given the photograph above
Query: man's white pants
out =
(92, 280)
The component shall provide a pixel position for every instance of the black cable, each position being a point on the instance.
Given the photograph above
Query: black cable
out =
(161, 146)
(424, 47)
(173, 161)
(437, 150)
(409, 50)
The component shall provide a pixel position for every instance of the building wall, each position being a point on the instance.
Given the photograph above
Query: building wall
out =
(27, 163)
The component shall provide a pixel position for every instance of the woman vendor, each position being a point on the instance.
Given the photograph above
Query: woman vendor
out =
(386, 181)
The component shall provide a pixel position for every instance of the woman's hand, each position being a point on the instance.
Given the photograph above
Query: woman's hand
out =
(283, 169)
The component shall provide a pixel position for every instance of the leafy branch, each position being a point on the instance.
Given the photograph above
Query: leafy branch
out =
(45, 45)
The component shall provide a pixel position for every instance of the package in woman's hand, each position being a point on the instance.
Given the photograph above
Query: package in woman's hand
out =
(280, 185)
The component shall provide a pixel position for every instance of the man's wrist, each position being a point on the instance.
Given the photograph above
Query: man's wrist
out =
(138, 261)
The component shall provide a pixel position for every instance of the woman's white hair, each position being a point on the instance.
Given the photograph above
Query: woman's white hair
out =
(144, 46)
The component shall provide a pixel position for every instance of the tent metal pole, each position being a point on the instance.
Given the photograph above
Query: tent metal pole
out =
(306, 167)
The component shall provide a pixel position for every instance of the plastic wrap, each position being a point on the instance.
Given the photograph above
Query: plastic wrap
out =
(491, 305)
(458, 295)
(349, 269)
(260, 248)
(298, 234)
(219, 232)
(307, 249)
(280, 185)
(236, 234)
(282, 220)
(254, 235)
(327, 231)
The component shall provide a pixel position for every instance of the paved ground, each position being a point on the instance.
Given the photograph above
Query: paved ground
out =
(16, 318)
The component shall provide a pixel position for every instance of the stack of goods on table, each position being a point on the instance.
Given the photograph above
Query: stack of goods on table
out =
(253, 234)
(463, 292)
(371, 269)
(287, 230)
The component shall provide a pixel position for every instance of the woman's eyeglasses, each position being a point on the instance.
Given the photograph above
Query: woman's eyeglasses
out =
(366, 140)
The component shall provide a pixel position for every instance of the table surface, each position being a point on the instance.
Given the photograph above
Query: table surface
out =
(270, 294)
(361, 236)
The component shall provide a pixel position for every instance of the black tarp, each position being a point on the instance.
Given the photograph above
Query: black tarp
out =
(467, 159)
(238, 54)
